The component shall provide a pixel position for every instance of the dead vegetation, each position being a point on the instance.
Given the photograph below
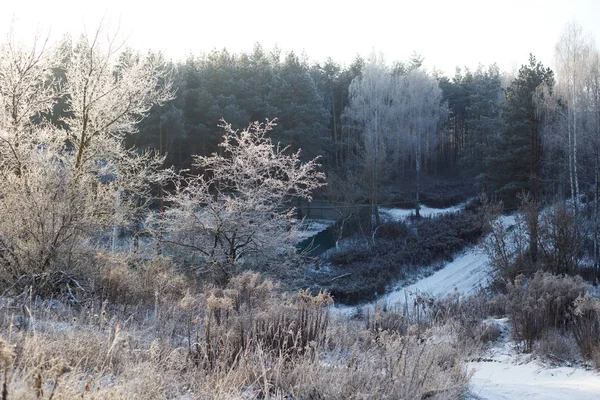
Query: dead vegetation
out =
(246, 341)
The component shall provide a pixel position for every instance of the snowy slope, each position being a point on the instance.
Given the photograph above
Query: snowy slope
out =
(468, 272)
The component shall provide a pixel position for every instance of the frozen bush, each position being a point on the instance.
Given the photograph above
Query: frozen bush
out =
(542, 302)
(557, 347)
(586, 327)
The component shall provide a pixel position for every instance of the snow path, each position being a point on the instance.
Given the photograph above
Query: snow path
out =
(465, 274)
(505, 375)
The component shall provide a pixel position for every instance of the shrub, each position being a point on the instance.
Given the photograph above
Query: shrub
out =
(557, 347)
(128, 280)
(543, 302)
(586, 327)
(59, 181)
(561, 240)
(118, 278)
(467, 314)
(382, 318)
(553, 240)
(249, 314)
(262, 343)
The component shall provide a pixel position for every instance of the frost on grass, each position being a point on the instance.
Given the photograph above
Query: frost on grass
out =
(249, 340)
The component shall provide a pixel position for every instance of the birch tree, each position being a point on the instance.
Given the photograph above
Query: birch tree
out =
(422, 112)
(398, 117)
(373, 111)
(593, 138)
(572, 55)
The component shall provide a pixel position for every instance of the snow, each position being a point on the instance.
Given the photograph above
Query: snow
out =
(468, 272)
(398, 214)
(505, 374)
(310, 227)
(501, 380)
(465, 274)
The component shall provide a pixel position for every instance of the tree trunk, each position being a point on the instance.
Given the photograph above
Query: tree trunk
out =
(335, 135)
(533, 187)
(596, 176)
(375, 177)
(570, 140)
(576, 204)
(418, 169)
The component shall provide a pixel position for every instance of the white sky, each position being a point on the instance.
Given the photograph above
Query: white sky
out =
(448, 33)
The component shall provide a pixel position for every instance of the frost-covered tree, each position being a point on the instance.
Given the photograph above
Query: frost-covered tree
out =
(373, 112)
(239, 211)
(593, 128)
(398, 117)
(64, 185)
(421, 113)
(573, 54)
(27, 90)
(578, 67)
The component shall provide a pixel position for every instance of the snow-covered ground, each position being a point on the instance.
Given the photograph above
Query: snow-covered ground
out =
(466, 274)
(504, 374)
(397, 214)
(310, 227)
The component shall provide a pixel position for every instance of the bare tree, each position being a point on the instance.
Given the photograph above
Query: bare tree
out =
(240, 209)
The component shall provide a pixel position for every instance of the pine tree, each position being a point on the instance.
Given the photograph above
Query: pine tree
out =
(516, 163)
(518, 159)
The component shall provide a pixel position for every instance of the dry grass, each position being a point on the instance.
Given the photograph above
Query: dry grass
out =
(247, 341)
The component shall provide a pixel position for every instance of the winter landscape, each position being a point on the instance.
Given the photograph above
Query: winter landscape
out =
(188, 215)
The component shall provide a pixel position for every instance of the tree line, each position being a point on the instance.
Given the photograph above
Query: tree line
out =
(396, 129)
(90, 132)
